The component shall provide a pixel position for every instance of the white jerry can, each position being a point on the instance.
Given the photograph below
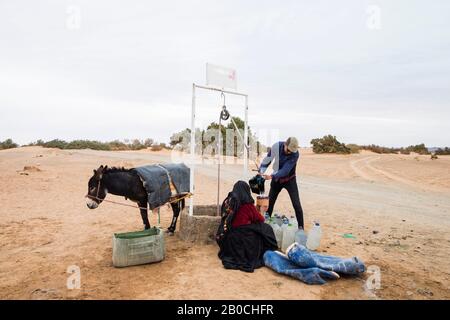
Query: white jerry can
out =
(141, 247)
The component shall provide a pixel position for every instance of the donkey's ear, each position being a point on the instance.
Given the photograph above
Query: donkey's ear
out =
(106, 167)
(95, 171)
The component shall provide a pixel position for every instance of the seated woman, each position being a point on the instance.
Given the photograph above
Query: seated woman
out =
(242, 236)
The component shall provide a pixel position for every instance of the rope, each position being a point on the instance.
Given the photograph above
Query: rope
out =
(144, 208)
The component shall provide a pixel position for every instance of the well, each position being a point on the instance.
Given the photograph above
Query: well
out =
(202, 226)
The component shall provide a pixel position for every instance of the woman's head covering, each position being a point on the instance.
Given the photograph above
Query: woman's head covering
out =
(236, 198)
(241, 191)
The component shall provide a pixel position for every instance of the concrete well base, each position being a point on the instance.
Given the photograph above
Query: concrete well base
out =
(202, 226)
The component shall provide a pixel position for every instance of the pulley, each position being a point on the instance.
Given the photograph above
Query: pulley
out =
(224, 114)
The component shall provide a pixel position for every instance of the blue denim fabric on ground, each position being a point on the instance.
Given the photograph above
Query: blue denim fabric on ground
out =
(280, 263)
(305, 258)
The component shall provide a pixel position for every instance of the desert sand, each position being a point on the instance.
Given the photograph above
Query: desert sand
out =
(396, 206)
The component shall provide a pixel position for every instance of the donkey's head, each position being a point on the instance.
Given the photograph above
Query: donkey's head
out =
(96, 188)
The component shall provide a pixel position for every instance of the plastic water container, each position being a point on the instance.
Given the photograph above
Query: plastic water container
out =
(314, 237)
(278, 219)
(293, 221)
(278, 231)
(285, 224)
(301, 237)
(141, 247)
(288, 236)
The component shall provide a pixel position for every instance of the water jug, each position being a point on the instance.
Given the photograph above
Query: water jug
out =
(288, 237)
(314, 236)
(293, 221)
(278, 220)
(285, 224)
(301, 237)
(278, 231)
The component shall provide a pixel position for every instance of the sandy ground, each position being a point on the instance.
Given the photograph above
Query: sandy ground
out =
(396, 206)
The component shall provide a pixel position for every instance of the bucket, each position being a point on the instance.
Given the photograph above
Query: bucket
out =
(140, 247)
(262, 204)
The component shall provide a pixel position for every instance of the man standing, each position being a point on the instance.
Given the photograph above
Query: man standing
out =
(285, 155)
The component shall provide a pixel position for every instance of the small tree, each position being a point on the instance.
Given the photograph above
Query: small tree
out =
(329, 144)
(181, 139)
(148, 142)
(8, 144)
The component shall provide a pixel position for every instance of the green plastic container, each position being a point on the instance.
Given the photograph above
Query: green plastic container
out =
(140, 247)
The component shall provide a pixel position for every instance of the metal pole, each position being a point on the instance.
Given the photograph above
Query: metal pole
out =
(219, 152)
(191, 208)
(191, 184)
(246, 139)
(221, 90)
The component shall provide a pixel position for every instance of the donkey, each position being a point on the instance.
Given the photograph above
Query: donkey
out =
(126, 183)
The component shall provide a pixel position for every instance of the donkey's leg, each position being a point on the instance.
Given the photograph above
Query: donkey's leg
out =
(144, 213)
(176, 208)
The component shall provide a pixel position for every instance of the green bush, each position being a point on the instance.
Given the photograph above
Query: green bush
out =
(329, 144)
(136, 144)
(420, 149)
(440, 151)
(404, 151)
(157, 147)
(87, 144)
(117, 145)
(8, 144)
(354, 148)
(379, 149)
(56, 143)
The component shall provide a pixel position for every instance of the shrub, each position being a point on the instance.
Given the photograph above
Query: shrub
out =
(8, 144)
(136, 144)
(404, 151)
(56, 143)
(329, 144)
(148, 142)
(157, 147)
(117, 145)
(379, 149)
(87, 144)
(354, 148)
(420, 149)
(181, 140)
(445, 151)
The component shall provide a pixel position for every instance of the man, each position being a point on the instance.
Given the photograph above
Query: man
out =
(285, 154)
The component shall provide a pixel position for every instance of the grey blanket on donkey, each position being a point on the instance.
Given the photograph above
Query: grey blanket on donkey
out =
(156, 181)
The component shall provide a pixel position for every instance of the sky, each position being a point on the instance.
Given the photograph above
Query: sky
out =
(368, 72)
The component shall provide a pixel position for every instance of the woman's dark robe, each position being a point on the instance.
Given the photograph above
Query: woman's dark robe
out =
(242, 247)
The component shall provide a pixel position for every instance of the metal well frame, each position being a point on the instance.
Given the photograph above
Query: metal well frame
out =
(192, 151)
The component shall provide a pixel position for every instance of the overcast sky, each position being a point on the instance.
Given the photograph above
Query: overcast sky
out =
(124, 69)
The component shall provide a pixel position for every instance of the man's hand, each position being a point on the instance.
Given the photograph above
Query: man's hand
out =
(267, 176)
